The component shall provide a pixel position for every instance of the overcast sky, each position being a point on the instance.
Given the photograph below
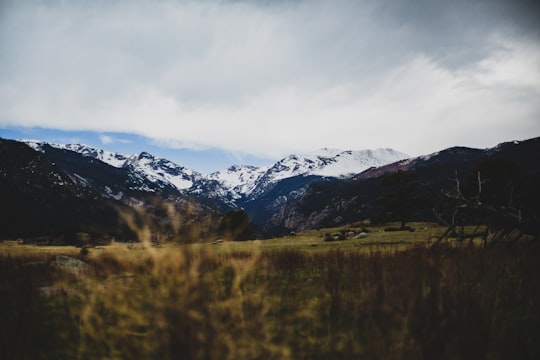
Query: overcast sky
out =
(269, 78)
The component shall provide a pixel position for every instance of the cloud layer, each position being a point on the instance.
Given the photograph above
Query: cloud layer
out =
(271, 78)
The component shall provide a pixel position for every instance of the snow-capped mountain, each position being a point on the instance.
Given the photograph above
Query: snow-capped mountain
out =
(59, 192)
(161, 170)
(274, 196)
(239, 180)
(335, 203)
(333, 163)
(108, 157)
(261, 191)
(247, 180)
(144, 166)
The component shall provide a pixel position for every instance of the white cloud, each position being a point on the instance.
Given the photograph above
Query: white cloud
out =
(108, 139)
(105, 139)
(270, 79)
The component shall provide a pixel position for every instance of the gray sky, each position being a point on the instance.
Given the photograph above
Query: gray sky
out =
(269, 78)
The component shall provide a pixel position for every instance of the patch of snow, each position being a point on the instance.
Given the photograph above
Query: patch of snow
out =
(157, 170)
(334, 163)
(114, 159)
(245, 180)
(239, 179)
(162, 171)
(34, 144)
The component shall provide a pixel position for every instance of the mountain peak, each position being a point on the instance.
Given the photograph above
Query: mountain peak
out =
(161, 172)
(145, 155)
(243, 180)
(335, 162)
(324, 152)
(239, 181)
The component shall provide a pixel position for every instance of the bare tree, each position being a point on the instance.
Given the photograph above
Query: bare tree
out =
(487, 201)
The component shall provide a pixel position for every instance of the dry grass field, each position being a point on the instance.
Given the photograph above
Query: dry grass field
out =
(388, 295)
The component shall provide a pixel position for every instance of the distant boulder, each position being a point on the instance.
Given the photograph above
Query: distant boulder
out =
(71, 265)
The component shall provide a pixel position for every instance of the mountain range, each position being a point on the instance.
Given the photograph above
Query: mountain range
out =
(57, 192)
(259, 190)
(509, 174)
(238, 181)
(60, 189)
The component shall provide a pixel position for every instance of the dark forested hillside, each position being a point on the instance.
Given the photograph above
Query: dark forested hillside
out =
(59, 193)
(510, 172)
(38, 198)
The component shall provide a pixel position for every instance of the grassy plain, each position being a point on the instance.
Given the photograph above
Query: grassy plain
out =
(311, 240)
(386, 296)
(314, 240)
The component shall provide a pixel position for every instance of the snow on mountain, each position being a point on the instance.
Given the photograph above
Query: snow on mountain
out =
(333, 163)
(146, 166)
(244, 180)
(349, 163)
(162, 170)
(238, 180)
(114, 159)
(36, 145)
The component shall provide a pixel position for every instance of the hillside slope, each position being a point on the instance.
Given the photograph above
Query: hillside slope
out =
(58, 192)
(513, 168)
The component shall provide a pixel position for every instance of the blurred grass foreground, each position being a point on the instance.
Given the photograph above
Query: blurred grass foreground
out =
(191, 303)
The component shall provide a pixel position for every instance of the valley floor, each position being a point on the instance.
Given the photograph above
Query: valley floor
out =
(374, 238)
(387, 295)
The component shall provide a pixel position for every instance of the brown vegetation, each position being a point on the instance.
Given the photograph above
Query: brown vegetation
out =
(421, 303)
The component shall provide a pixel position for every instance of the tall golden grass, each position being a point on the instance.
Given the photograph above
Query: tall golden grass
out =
(423, 303)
